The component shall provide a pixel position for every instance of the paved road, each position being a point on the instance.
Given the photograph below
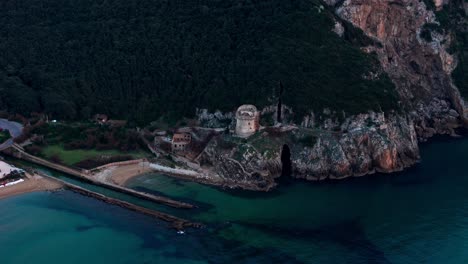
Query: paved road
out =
(15, 131)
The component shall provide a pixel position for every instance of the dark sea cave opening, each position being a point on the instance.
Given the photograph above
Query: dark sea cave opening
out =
(286, 165)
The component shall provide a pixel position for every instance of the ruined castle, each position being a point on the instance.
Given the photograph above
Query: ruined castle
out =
(248, 120)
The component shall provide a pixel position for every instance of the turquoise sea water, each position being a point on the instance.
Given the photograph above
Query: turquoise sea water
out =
(418, 216)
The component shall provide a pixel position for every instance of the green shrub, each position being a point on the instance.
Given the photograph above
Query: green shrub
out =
(4, 136)
(308, 141)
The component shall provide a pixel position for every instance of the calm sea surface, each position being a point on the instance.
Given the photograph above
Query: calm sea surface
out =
(419, 216)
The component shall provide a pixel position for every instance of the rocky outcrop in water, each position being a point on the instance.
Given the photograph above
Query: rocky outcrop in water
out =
(366, 143)
(372, 143)
(239, 164)
(324, 146)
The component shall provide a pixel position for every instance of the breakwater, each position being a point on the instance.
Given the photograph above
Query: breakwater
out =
(86, 176)
(175, 222)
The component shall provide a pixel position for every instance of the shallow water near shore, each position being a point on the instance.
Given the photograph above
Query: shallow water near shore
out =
(418, 216)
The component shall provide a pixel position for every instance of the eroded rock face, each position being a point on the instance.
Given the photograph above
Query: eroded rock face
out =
(437, 117)
(419, 69)
(332, 2)
(368, 143)
(373, 143)
(249, 170)
(216, 119)
(395, 25)
(439, 4)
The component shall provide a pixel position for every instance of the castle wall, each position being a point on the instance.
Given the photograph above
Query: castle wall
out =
(247, 127)
(248, 120)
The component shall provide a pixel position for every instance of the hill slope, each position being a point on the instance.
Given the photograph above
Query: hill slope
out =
(144, 59)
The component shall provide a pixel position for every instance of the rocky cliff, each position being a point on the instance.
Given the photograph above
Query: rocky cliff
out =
(420, 68)
(325, 146)
(364, 144)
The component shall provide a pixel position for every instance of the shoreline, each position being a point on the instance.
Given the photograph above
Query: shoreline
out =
(37, 182)
(33, 183)
(153, 168)
(121, 174)
(175, 222)
(101, 177)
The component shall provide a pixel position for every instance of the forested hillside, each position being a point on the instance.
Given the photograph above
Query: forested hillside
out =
(143, 59)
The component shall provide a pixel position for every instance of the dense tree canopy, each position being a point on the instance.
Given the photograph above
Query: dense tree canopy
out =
(143, 59)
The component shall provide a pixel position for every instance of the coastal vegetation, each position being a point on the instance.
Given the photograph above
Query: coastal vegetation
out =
(88, 136)
(268, 142)
(4, 136)
(143, 60)
(84, 145)
(83, 157)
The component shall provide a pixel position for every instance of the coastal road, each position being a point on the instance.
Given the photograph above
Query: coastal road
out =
(15, 131)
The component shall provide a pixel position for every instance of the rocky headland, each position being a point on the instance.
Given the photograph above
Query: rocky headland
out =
(330, 145)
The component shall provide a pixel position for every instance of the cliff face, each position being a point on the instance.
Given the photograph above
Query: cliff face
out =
(240, 165)
(371, 143)
(420, 69)
(366, 143)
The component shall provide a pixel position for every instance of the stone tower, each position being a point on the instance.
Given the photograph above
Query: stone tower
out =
(248, 120)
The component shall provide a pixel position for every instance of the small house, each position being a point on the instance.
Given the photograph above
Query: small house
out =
(181, 141)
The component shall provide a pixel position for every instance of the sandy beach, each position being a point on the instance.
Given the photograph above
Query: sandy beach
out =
(33, 183)
(122, 173)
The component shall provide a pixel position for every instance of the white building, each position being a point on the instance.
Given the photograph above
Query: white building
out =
(247, 120)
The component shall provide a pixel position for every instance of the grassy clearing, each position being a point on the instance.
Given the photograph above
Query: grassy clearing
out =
(71, 157)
